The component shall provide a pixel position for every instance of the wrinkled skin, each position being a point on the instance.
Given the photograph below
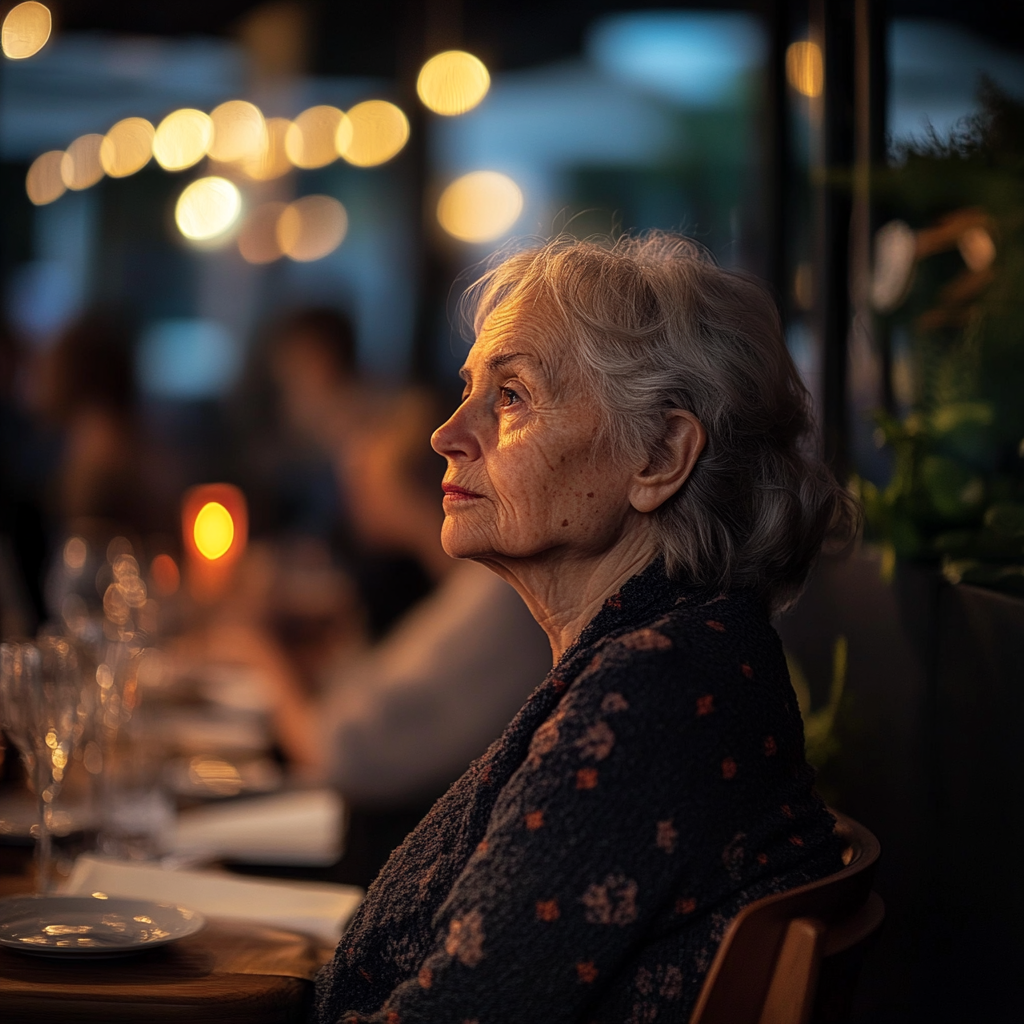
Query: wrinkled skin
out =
(527, 450)
(561, 518)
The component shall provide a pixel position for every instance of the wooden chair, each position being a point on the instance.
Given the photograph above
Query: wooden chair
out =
(767, 968)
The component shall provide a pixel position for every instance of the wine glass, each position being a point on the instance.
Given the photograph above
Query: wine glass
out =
(39, 698)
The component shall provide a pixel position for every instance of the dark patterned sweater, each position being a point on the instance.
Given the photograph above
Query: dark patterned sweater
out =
(585, 867)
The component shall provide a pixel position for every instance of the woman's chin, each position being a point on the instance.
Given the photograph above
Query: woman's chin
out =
(460, 542)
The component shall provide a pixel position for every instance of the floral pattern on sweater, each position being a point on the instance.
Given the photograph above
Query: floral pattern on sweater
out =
(584, 869)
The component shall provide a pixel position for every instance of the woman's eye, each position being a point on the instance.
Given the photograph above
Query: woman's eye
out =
(509, 397)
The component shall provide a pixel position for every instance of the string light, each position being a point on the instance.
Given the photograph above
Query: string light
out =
(207, 209)
(44, 183)
(379, 130)
(257, 241)
(805, 68)
(480, 206)
(80, 166)
(316, 136)
(127, 147)
(239, 132)
(26, 30)
(311, 227)
(452, 83)
(182, 139)
(272, 160)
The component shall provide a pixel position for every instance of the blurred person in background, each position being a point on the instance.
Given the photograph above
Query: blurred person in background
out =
(325, 404)
(85, 387)
(394, 725)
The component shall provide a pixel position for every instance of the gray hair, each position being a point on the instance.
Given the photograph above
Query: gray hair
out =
(652, 323)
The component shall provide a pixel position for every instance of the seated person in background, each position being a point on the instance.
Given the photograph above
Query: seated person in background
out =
(325, 403)
(633, 453)
(85, 386)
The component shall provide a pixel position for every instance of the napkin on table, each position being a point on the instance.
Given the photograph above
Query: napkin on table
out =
(313, 908)
(304, 827)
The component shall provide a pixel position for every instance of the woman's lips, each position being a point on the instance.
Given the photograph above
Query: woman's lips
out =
(452, 492)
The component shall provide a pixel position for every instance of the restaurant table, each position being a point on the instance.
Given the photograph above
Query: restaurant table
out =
(230, 972)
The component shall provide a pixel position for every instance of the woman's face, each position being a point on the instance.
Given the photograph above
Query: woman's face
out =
(524, 477)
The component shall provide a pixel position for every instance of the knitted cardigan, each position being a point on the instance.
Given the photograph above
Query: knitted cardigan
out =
(585, 867)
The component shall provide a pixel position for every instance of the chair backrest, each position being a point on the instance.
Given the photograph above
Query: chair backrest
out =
(766, 968)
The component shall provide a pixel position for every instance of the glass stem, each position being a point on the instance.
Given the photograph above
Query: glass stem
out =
(44, 845)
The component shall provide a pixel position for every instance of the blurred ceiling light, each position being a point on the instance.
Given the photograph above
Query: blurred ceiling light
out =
(257, 241)
(272, 160)
(379, 131)
(311, 227)
(207, 209)
(43, 183)
(127, 147)
(182, 139)
(239, 132)
(480, 206)
(977, 249)
(805, 69)
(316, 135)
(213, 530)
(26, 29)
(452, 82)
(80, 167)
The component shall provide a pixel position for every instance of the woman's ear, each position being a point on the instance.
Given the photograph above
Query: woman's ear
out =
(682, 443)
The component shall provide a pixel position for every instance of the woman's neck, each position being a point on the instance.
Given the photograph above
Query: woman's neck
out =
(565, 591)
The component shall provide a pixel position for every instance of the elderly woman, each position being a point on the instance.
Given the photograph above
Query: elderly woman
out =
(632, 453)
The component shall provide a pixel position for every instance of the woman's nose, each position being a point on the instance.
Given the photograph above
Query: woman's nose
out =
(454, 438)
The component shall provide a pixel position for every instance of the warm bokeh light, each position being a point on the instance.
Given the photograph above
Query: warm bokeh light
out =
(311, 227)
(313, 139)
(977, 249)
(257, 241)
(379, 131)
(213, 530)
(272, 160)
(26, 29)
(76, 551)
(182, 139)
(207, 208)
(80, 167)
(166, 577)
(127, 147)
(43, 183)
(480, 206)
(805, 69)
(239, 132)
(452, 83)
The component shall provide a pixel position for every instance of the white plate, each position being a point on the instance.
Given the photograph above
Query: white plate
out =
(91, 926)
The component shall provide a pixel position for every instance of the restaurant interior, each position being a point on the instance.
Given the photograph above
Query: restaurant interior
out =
(234, 237)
